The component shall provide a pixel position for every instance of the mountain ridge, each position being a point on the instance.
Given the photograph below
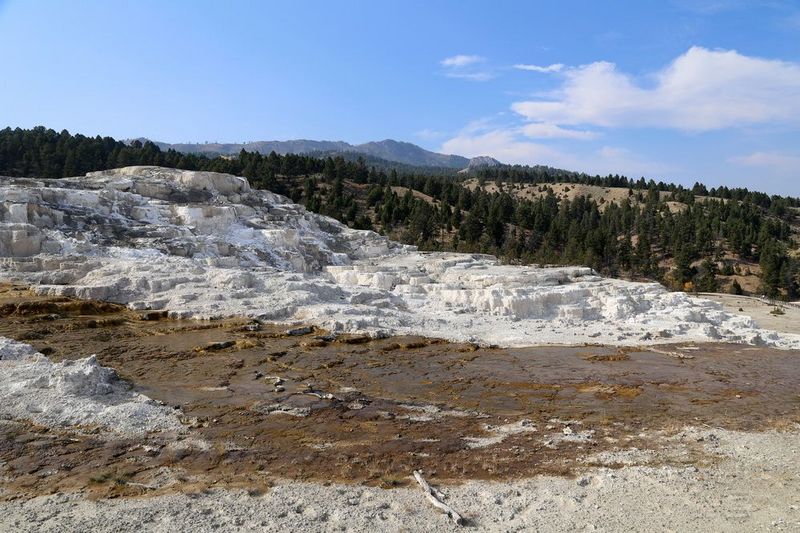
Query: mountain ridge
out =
(388, 149)
(480, 162)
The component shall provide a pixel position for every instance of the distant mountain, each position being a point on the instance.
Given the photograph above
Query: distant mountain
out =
(390, 150)
(480, 162)
(410, 154)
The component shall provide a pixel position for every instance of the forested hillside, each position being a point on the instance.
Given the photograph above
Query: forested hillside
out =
(691, 239)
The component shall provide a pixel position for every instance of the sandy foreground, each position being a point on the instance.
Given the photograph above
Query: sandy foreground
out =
(752, 485)
(323, 365)
(762, 311)
(688, 437)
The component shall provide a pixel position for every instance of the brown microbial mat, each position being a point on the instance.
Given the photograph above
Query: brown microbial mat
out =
(260, 403)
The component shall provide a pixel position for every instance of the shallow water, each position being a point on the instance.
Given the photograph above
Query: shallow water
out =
(367, 410)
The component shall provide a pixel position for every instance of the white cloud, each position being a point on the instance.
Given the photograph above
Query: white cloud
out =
(509, 144)
(481, 75)
(502, 144)
(542, 130)
(776, 161)
(467, 67)
(429, 134)
(710, 7)
(555, 67)
(617, 160)
(701, 90)
(461, 60)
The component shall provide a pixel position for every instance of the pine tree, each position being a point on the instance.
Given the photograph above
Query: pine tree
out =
(706, 281)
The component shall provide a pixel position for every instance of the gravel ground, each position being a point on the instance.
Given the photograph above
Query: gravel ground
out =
(762, 311)
(752, 483)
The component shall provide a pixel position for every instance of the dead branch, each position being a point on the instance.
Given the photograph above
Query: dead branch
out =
(436, 497)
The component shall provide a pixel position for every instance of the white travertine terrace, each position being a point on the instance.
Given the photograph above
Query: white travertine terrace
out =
(205, 245)
(74, 393)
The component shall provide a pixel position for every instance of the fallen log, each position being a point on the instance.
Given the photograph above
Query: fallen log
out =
(436, 497)
(676, 355)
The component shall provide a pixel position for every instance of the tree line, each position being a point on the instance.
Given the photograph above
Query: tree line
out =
(639, 237)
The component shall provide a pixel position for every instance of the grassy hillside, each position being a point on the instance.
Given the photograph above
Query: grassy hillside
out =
(690, 239)
(732, 266)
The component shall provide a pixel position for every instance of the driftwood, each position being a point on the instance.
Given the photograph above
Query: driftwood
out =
(322, 395)
(676, 355)
(142, 485)
(436, 497)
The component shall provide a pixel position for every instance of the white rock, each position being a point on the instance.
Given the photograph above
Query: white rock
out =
(74, 393)
(204, 245)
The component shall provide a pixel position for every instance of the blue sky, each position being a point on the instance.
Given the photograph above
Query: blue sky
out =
(674, 90)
